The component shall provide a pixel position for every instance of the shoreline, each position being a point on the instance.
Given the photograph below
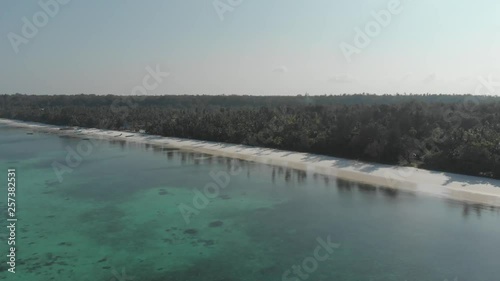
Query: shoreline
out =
(458, 187)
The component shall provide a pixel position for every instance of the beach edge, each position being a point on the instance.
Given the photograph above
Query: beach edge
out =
(476, 190)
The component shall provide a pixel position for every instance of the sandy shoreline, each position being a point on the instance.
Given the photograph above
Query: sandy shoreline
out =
(445, 185)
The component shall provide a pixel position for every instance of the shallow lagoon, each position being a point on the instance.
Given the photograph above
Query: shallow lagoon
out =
(117, 216)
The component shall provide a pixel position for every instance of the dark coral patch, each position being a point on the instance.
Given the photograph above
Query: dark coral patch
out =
(191, 231)
(216, 224)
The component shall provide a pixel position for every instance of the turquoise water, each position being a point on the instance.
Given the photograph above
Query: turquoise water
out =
(126, 211)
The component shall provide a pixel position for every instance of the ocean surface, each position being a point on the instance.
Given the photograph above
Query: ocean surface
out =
(102, 210)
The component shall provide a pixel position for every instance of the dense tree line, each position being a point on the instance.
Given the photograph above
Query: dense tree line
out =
(448, 133)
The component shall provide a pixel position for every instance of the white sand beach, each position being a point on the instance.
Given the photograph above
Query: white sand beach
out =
(445, 185)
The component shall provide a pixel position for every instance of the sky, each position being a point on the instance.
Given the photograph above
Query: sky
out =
(255, 47)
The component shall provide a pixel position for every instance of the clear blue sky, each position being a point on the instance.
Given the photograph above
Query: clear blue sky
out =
(260, 47)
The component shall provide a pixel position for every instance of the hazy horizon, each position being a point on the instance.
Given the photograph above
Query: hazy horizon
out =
(238, 47)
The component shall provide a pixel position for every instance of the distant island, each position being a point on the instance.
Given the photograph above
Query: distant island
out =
(450, 133)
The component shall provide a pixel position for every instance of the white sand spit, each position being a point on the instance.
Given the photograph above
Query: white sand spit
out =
(446, 185)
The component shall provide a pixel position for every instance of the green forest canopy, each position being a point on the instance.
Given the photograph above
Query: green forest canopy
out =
(454, 133)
